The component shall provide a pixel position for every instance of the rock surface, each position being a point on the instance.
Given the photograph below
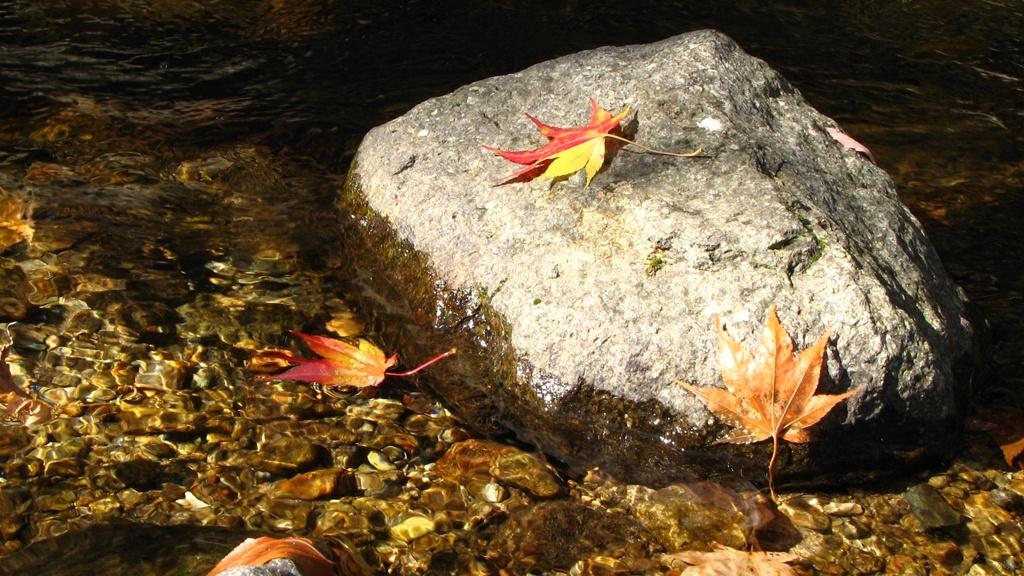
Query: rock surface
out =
(574, 309)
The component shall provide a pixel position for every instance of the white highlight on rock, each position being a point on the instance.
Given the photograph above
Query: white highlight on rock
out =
(711, 124)
(192, 502)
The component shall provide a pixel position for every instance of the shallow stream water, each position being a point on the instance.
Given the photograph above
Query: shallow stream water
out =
(181, 160)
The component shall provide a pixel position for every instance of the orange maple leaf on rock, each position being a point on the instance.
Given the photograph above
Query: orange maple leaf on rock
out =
(770, 394)
(569, 149)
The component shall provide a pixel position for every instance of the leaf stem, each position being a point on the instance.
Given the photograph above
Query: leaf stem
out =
(424, 365)
(771, 465)
(695, 154)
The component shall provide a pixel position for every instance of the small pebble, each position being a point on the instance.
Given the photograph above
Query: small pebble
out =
(853, 528)
(805, 514)
(930, 508)
(1007, 500)
(843, 509)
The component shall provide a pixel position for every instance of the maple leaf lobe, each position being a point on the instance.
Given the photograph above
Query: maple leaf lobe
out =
(1006, 426)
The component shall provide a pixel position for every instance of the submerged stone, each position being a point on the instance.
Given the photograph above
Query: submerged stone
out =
(468, 463)
(698, 516)
(408, 526)
(319, 484)
(806, 513)
(286, 456)
(930, 508)
(553, 535)
(574, 309)
(526, 472)
(474, 463)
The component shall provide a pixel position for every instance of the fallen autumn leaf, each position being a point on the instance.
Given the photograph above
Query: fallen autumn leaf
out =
(770, 394)
(725, 561)
(20, 406)
(259, 551)
(1007, 429)
(341, 363)
(570, 150)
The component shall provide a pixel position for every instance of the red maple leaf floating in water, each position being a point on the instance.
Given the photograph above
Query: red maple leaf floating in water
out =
(341, 363)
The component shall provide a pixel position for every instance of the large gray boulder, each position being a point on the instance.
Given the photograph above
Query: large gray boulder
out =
(575, 308)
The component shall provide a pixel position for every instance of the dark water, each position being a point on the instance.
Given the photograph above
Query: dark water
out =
(934, 88)
(102, 100)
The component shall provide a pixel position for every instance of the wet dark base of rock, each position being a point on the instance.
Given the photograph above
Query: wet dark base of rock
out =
(637, 443)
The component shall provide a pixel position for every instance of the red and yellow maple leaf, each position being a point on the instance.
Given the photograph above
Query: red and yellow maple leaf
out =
(341, 363)
(770, 394)
(569, 149)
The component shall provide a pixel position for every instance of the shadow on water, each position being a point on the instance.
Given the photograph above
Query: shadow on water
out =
(136, 549)
(200, 140)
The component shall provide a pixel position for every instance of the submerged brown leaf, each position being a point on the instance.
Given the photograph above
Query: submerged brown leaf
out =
(770, 394)
(731, 562)
(18, 404)
(15, 220)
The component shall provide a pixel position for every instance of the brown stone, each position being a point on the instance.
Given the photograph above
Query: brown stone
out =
(319, 484)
